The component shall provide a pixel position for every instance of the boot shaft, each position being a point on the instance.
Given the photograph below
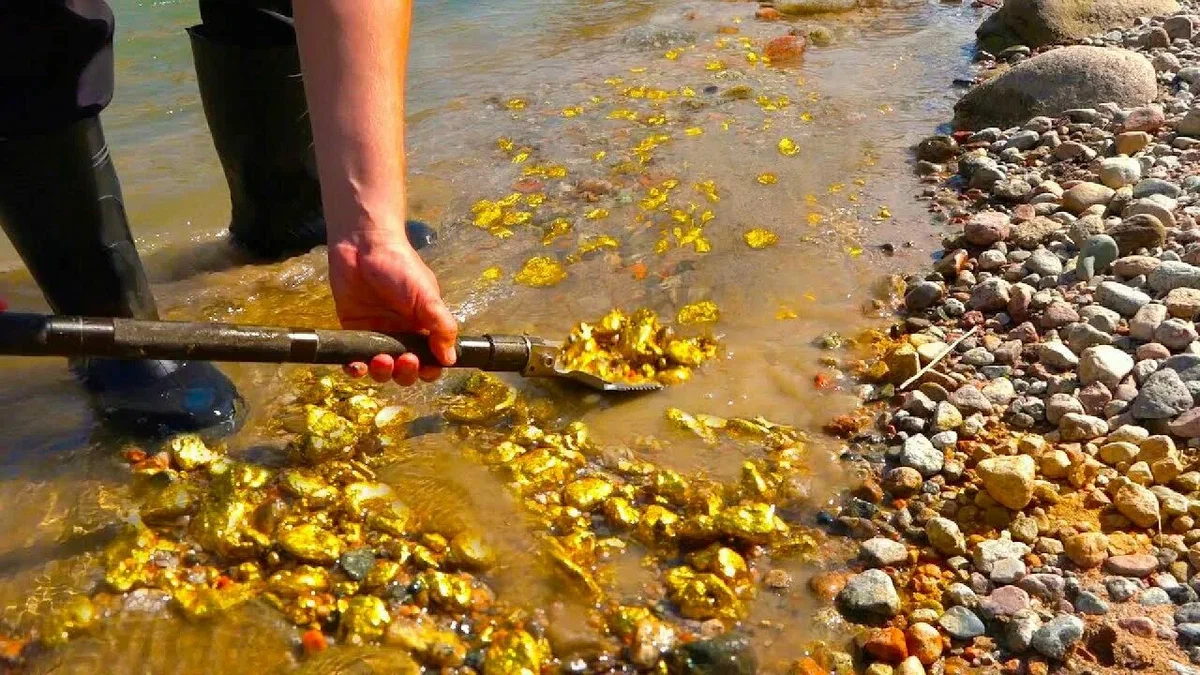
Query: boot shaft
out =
(61, 206)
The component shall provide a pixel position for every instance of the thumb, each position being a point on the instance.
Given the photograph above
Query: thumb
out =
(443, 331)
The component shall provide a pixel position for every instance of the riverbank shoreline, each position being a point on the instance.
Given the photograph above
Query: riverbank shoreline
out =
(1030, 448)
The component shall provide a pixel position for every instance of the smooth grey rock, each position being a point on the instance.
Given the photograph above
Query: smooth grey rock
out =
(869, 593)
(1055, 637)
(1163, 396)
(961, 623)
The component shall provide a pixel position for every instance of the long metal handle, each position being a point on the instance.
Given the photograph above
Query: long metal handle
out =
(73, 336)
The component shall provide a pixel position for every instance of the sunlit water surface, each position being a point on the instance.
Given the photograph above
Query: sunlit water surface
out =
(853, 108)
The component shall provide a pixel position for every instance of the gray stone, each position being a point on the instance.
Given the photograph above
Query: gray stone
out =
(1154, 597)
(1057, 355)
(1020, 629)
(961, 623)
(918, 453)
(881, 552)
(1156, 186)
(987, 552)
(1146, 321)
(1042, 85)
(1044, 262)
(1105, 364)
(1054, 638)
(1101, 250)
(923, 296)
(969, 400)
(1117, 172)
(1162, 396)
(990, 295)
(869, 593)
(1090, 603)
(1081, 336)
(1076, 427)
(1007, 571)
(1120, 298)
(1121, 589)
(1041, 22)
(1173, 274)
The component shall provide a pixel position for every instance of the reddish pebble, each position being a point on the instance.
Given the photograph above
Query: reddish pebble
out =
(887, 645)
(924, 642)
(767, 14)
(134, 455)
(223, 582)
(314, 641)
(785, 48)
(1141, 626)
(1148, 118)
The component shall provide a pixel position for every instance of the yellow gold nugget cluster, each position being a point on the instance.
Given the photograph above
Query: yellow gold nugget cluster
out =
(634, 349)
(345, 558)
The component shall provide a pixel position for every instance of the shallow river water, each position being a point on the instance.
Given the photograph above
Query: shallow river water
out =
(527, 97)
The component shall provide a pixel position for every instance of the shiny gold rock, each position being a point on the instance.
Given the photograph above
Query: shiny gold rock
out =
(308, 486)
(360, 409)
(383, 573)
(702, 596)
(586, 493)
(468, 550)
(449, 591)
(310, 543)
(755, 523)
(223, 526)
(435, 647)
(189, 452)
(622, 513)
(358, 494)
(176, 499)
(327, 435)
(302, 580)
(515, 653)
(365, 619)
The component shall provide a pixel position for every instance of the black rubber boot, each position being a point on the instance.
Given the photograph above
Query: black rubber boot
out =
(61, 206)
(254, 102)
(253, 97)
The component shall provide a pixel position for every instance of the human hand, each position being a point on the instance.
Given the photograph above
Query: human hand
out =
(380, 283)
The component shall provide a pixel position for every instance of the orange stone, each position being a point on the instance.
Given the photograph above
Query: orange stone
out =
(767, 14)
(785, 48)
(887, 645)
(924, 642)
(807, 666)
(827, 585)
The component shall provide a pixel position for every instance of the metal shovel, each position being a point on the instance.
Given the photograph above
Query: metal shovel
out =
(74, 336)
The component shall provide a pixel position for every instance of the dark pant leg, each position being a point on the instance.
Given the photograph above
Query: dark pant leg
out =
(248, 23)
(56, 63)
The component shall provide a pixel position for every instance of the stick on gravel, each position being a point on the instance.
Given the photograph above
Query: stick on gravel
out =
(939, 357)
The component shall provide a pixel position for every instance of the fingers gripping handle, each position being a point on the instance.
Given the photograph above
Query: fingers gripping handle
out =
(37, 335)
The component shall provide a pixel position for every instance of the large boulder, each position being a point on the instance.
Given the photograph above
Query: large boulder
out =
(806, 7)
(1058, 80)
(1042, 22)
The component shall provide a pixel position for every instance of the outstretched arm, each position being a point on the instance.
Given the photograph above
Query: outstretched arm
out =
(354, 55)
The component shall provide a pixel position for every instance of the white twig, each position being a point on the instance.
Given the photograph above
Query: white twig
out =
(939, 357)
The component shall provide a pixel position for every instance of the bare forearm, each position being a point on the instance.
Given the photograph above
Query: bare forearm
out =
(354, 55)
